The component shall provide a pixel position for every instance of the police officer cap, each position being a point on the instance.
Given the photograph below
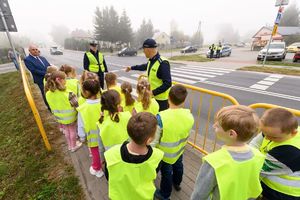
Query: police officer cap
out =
(93, 43)
(149, 43)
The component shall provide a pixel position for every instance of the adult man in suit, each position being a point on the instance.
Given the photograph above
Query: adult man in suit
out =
(37, 65)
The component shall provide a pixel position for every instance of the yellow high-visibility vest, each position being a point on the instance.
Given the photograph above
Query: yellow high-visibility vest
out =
(94, 66)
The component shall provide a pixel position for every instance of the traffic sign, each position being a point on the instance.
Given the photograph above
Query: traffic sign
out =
(6, 16)
(278, 18)
(281, 2)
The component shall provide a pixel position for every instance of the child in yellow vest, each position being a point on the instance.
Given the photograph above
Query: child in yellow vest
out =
(145, 101)
(175, 125)
(279, 140)
(58, 98)
(112, 123)
(86, 75)
(72, 81)
(129, 101)
(50, 69)
(88, 115)
(132, 165)
(232, 173)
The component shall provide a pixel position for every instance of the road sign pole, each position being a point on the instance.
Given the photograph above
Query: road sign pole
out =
(7, 33)
(273, 32)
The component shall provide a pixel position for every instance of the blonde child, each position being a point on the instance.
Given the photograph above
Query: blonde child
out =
(112, 123)
(145, 101)
(50, 69)
(279, 140)
(88, 115)
(72, 81)
(132, 165)
(58, 98)
(129, 101)
(233, 171)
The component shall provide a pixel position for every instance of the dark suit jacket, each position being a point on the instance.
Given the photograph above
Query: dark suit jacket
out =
(36, 67)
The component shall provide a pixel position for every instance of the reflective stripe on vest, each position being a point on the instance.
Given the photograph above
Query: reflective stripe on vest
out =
(113, 133)
(61, 107)
(154, 81)
(138, 177)
(176, 126)
(93, 63)
(286, 184)
(243, 176)
(90, 114)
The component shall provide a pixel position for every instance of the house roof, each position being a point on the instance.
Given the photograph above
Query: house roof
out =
(282, 30)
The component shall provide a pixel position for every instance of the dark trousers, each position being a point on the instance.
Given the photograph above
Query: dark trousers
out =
(41, 86)
(270, 194)
(211, 54)
(170, 174)
(218, 53)
(101, 79)
(163, 104)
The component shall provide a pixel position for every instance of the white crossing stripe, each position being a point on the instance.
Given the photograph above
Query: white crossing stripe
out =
(199, 71)
(276, 76)
(182, 80)
(193, 73)
(265, 82)
(188, 76)
(209, 68)
(271, 79)
(260, 87)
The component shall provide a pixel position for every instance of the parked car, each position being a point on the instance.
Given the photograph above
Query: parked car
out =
(296, 56)
(240, 44)
(127, 51)
(225, 51)
(276, 51)
(293, 48)
(189, 49)
(55, 51)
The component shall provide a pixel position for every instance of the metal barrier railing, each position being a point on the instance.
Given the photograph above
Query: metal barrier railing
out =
(202, 142)
(268, 106)
(31, 102)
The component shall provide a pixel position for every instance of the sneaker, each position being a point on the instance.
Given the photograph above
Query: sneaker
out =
(177, 187)
(96, 173)
(78, 145)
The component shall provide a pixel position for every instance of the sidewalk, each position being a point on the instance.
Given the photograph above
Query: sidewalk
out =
(8, 67)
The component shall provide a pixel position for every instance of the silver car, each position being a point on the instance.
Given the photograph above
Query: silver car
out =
(276, 51)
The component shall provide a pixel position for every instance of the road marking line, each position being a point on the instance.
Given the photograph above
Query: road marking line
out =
(260, 87)
(213, 68)
(265, 82)
(183, 80)
(188, 76)
(276, 76)
(271, 79)
(191, 73)
(284, 96)
(200, 71)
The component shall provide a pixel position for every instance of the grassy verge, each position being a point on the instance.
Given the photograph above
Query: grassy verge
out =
(285, 71)
(27, 170)
(292, 64)
(195, 58)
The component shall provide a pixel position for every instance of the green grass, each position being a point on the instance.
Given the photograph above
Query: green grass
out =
(280, 63)
(194, 57)
(27, 170)
(285, 71)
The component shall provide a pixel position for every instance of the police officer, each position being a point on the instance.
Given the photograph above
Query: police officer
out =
(158, 72)
(212, 49)
(218, 48)
(94, 61)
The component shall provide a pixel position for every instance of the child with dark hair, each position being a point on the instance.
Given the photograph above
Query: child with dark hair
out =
(112, 123)
(88, 115)
(279, 140)
(145, 101)
(58, 98)
(86, 75)
(175, 125)
(132, 165)
(129, 101)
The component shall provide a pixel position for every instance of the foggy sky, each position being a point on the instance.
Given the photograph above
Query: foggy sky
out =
(34, 18)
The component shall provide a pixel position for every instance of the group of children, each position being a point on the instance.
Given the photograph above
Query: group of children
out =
(129, 141)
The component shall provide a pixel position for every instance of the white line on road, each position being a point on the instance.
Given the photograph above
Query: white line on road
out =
(193, 73)
(267, 82)
(210, 68)
(188, 76)
(284, 96)
(199, 71)
(183, 80)
(260, 87)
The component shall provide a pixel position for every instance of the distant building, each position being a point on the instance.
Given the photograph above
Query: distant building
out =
(261, 38)
(162, 39)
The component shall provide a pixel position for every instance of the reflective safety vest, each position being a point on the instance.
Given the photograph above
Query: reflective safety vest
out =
(237, 180)
(94, 66)
(127, 108)
(176, 126)
(153, 107)
(90, 114)
(154, 81)
(61, 107)
(112, 132)
(81, 100)
(118, 89)
(131, 181)
(287, 184)
(73, 85)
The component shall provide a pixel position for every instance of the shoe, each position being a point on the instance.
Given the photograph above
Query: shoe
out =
(98, 173)
(76, 147)
(177, 187)
(159, 196)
